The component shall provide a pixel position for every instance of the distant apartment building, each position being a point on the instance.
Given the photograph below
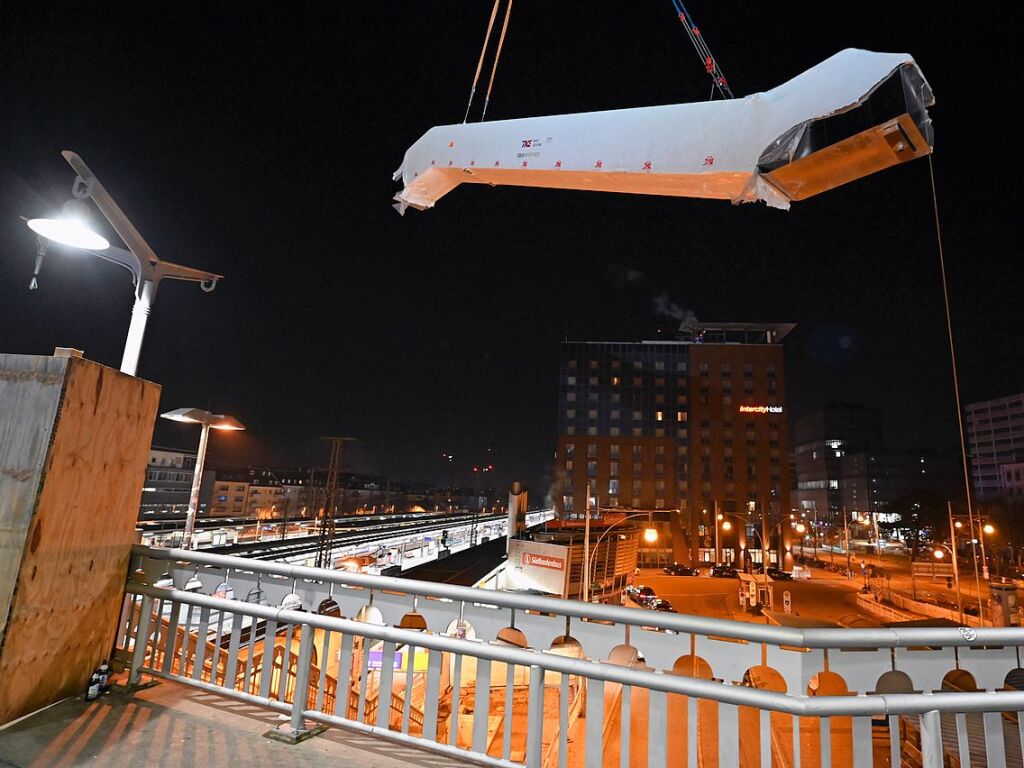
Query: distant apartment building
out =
(674, 427)
(995, 440)
(168, 483)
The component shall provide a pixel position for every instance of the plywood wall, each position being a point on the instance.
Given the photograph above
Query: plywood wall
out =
(75, 557)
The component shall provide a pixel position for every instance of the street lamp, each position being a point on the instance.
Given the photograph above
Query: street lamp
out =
(650, 536)
(939, 555)
(71, 228)
(208, 421)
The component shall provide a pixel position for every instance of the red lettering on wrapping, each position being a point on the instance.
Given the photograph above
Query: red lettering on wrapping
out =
(524, 163)
(598, 164)
(709, 160)
(558, 163)
(647, 165)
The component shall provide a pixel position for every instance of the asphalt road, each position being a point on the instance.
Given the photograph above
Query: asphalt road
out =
(829, 598)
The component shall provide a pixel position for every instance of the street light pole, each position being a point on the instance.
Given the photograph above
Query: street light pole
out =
(846, 531)
(956, 565)
(145, 266)
(586, 548)
(591, 560)
(718, 548)
(208, 421)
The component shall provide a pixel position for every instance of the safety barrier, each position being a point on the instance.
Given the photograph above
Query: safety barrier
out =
(464, 675)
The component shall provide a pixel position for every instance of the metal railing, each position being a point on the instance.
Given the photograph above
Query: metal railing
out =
(734, 692)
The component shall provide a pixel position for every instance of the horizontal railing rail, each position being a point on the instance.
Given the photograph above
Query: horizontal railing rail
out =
(822, 638)
(740, 695)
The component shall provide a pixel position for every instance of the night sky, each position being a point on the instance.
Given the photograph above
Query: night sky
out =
(258, 140)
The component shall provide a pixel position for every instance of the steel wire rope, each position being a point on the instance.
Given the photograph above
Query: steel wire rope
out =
(497, 58)
(480, 63)
(952, 354)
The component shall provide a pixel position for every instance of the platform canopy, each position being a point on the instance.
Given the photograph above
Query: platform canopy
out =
(856, 113)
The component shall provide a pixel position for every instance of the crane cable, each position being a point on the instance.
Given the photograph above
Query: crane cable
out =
(483, 55)
(480, 63)
(718, 81)
(497, 57)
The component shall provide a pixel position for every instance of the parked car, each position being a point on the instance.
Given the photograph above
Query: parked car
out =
(801, 572)
(779, 575)
(661, 605)
(722, 571)
(638, 593)
(679, 570)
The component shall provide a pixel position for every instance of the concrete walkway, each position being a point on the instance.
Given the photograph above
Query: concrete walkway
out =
(174, 726)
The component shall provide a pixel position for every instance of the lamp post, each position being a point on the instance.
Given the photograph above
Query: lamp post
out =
(650, 536)
(208, 421)
(71, 229)
(939, 554)
(846, 531)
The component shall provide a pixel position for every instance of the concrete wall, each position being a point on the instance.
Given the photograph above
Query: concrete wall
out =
(74, 443)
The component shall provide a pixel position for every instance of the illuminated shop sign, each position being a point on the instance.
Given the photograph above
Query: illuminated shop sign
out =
(760, 409)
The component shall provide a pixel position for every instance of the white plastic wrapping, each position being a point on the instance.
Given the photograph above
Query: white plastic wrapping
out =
(708, 149)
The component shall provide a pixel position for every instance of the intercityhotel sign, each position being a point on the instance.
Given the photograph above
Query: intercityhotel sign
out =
(760, 409)
(535, 565)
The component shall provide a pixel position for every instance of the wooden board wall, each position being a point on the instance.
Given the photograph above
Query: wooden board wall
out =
(75, 559)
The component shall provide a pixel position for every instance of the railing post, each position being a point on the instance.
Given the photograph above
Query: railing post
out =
(931, 739)
(141, 641)
(535, 719)
(299, 699)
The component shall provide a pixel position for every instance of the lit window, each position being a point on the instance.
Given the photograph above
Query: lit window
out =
(592, 468)
(571, 380)
(592, 451)
(659, 415)
(615, 381)
(613, 485)
(613, 469)
(570, 449)
(680, 415)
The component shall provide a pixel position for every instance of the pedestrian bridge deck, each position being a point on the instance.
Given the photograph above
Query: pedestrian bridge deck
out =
(174, 726)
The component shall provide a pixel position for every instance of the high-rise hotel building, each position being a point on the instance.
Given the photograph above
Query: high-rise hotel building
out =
(677, 428)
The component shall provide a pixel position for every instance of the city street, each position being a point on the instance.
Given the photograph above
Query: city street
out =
(825, 596)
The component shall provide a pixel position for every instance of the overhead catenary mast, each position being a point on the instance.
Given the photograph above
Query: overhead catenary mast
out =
(325, 544)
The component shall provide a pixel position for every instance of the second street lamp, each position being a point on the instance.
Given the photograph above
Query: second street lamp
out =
(208, 421)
